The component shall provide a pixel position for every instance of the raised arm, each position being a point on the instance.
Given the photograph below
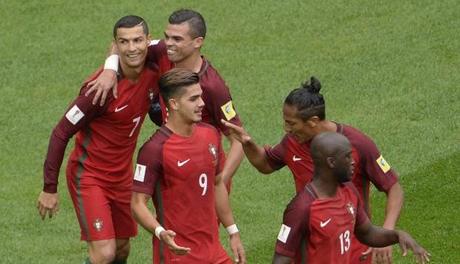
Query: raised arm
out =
(107, 80)
(255, 153)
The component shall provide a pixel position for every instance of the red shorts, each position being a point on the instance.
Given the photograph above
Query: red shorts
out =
(356, 253)
(102, 212)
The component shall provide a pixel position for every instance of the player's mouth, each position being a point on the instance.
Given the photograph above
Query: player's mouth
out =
(171, 52)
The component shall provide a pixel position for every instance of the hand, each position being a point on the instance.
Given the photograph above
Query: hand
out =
(167, 237)
(102, 85)
(239, 133)
(406, 241)
(48, 203)
(237, 248)
(380, 255)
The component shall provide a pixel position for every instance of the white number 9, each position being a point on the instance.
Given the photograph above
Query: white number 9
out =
(203, 182)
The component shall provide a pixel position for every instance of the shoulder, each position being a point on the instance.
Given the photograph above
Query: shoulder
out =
(156, 142)
(359, 140)
(301, 202)
(210, 79)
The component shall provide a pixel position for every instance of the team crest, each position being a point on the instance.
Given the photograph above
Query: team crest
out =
(213, 150)
(98, 224)
(351, 209)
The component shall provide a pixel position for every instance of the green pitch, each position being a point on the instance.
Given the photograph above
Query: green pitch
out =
(390, 68)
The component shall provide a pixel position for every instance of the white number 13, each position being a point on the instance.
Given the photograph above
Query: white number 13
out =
(344, 242)
(203, 182)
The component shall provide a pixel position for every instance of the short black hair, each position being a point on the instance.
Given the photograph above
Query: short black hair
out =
(308, 101)
(172, 82)
(193, 18)
(130, 22)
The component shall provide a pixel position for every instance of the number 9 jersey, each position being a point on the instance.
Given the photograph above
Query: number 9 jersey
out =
(180, 174)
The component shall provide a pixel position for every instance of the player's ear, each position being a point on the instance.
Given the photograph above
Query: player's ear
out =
(198, 42)
(330, 162)
(173, 104)
(313, 121)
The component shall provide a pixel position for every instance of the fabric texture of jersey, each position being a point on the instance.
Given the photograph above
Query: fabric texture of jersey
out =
(318, 231)
(216, 95)
(180, 173)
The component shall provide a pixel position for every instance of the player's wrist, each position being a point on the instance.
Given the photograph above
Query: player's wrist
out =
(158, 231)
(232, 229)
(111, 63)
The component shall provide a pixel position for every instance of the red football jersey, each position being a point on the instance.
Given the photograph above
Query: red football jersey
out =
(370, 166)
(105, 135)
(180, 174)
(319, 231)
(216, 95)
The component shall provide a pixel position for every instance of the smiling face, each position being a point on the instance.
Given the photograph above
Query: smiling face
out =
(294, 125)
(132, 44)
(344, 163)
(189, 104)
(179, 42)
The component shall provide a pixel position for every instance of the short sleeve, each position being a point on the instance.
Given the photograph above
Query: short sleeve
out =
(294, 228)
(148, 167)
(218, 101)
(275, 154)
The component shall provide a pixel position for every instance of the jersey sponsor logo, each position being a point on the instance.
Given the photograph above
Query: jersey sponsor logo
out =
(182, 163)
(284, 233)
(323, 224)
(295, 158)
(383, 164)
(139, 175)
(118, 109)
(74, 115)
(228, 110)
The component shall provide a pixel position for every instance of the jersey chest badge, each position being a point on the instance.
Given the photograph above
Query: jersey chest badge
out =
(213, 151)
(351, 210)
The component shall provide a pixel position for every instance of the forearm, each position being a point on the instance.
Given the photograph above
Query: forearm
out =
(142, 214)
(53, 161)
(279, 259)
(223, 209)
(395, 199)
(257, 157)
(377, 237)
(234, 158)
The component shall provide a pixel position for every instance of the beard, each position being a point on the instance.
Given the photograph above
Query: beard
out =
(342, 175)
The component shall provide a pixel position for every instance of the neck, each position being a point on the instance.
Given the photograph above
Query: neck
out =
(193, 62)
(179, 126)
(326, 126)
(131, 73)
(326, 187)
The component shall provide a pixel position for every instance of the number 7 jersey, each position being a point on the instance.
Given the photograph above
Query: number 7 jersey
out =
(180, 174)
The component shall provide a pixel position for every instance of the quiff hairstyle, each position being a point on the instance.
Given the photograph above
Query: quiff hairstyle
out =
(193, 18)
(173, 81)
(130, 22)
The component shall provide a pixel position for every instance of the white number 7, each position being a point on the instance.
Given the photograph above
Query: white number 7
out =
(136, 121)
(203, 182)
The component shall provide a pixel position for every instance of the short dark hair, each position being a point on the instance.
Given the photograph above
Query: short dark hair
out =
(172, 82)
(193, 18)
(308, 101)
(130, 22)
